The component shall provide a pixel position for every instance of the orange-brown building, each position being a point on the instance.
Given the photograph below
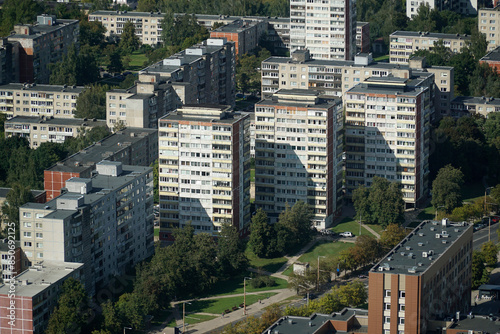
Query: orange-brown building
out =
(244, 33)
(41, 44)
(492, 59)
(426, 277)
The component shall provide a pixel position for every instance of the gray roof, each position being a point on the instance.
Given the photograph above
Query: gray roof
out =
(56, 121)
(339, 63)
(476, 100)
(321, 102)
(43, 88)
(229, 117)
(493, 55)
(237, 26)
(430, 35)
(477, 323)
(91, 155)
(42, 29)
(389, 85)
(5, 191)
(424, 246)
(41, 279)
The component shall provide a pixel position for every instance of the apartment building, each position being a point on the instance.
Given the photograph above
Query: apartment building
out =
(464, 7)
(36, 293)
(43, 129)
(245, 34)
(22, 99)
(12, 260)
(104, 222)
(327, 28)
(404, 43)
(201, 74)
(298, 153)
(9, 61)
(468, 105)
(335, 77)
(362, 37)
(130, 146)
(426, 276)
(492, 59)
(204, 167)
(141, 105)
(387, 124)
(41, 44)
(488, 21)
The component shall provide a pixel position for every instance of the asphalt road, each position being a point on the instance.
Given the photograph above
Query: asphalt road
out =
(481, 236)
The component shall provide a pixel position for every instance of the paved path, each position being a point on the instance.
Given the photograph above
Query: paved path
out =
(372, 231)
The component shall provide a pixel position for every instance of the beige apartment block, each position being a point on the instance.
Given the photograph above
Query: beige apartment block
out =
(404, 43)
(18, 99)
(464, 7)
(488, 21)
(204, 167)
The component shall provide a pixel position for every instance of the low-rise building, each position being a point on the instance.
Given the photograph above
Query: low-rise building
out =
(362, 37)
(467, 105)
(104, 222)
(464, 7)
(488, 23)
(13, 261)
(404, 43)
(9, 61)
(17, 99)
(27, 303)
(474, 324)
(130, 146)
(245, 34)
(40, 130)
(492, 59)
(41, 44)
(427, 276)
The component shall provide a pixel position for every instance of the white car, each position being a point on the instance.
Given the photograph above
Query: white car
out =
(346, 234)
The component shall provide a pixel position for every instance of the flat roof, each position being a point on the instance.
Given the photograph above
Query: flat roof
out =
(43, 88)
(390, 86)
(279, 98)
(99, 151)
(227, 118)
(237, 26)
(421, 248)
(42, 29)
(476, 100)
(340, 63)
(56, 121)
(5, 191)
(40, 277)
(430, 35)
(478, 323)
(493, 55)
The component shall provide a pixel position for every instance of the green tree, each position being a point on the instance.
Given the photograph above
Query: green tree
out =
(75, 69)
(495, 194)
(353, 294)
(115, 63)
(91, 33)
(386, 202)
(129, 42)
(361, 203)
(148, 6)
(446, 188)
(369, 247)
(130, 311)
(91, 103)
(490, 253)
(86, 138)
(262, 235)
(23, 170)
(480, 274)
(392, 235)
(156, 175)
(17, 12)
(112, 322)
(72, 310)
(293, 228)
(230, 251)
(16, 197)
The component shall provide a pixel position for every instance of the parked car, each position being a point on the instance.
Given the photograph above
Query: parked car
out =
(346, 234)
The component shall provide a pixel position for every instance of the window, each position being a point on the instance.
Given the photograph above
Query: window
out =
(387, 293)
(39, 235)
(401, 321)
(39, 245)
(387, 306)
(402, 294)
(27, 224)
(402, 307)
(27, 234)
(39, 225)
(39, 255)
(387, 320)
(27, 244)
(27, 214)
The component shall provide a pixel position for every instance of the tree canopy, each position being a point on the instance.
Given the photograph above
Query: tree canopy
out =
(18, 12)
(91, 103)
(129, 41)
(74, 69)
(446, 188)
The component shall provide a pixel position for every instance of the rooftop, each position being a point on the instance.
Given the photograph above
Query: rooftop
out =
(430, 35)
(42, 29)
(300, 97)
(476, 100)
(104, 148)
(493, 55)
(205, 113)
(43, 88)
(390, 85)
(5, 191)
(40, 277)
(477, 323)
(421, 248)
(56, 121)
(237, 26)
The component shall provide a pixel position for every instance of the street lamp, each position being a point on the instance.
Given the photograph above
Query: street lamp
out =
(245, 295)
(317, 283)
(125, 328)
(184, 316)
(489, 222)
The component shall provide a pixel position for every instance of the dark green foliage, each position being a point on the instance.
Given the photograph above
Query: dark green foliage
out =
(293, 228)
(18, 12)
(391, 236)
(381, 204)
(18, 196)
(446, 188)
(91, 33)
(91, 103)
(75, 69)
(156, 175)
(247, 76)
(129, 42)
(480, 274)
(262, 235)
(182, 31)
(230, 252)
(262, 281)
(490, 252)
(72, 311)
(86, 138)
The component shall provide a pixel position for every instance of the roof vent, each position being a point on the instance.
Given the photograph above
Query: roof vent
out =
(420, 234)
(389, 258)
(424, 254)
(410, 255)
(412, 270)
(438, 235)
(457, 230)
(403, 253)
(408, 248)
(420, 244)
(433, 228)
(444, 241)
(420, 264)
(430, 258)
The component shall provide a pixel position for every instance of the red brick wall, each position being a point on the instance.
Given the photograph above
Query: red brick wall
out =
(53, 182)
(376, 302)
(412, 304)
(493, 64)
(23, 323)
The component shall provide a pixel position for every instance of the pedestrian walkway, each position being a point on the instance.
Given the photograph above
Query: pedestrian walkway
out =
(372, 231)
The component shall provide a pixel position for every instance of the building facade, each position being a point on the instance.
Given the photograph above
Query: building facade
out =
(36, 293)
(404, 43)
(426, 276)
(104, 222)
(245, 34)
(362, 37)
(9, 61)
(326, 28)
(488, 21)
(464, 7)
(467, 105)
(40, 130)
(43, 43)
(298, 154)
(492, 59)
(387, 126)
(130, 146)
(17, 99)
(204, 168)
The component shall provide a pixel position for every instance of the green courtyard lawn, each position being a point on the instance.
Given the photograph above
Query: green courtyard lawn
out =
(252, 175)
(350, 225)
(321, 248)
(272, 265)
(137, 59)
(217, 306)
(196, 318)
(384, 58)
(157, 231)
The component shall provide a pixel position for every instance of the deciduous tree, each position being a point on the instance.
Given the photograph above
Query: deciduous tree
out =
(16, 197)
(129, 42)
(230, 251)
(262, 235)
(446, 188)
(391, 236)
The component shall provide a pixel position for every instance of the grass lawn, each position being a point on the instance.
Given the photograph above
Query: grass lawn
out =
(382, 58)
(252, 175)
(217, 306)
(137, 59)
(235, 285)
(197, 318)
(349, 225)
(271, 265)
(157, 232)
(377, 228)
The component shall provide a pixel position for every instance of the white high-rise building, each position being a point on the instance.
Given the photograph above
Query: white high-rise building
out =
(327, 28)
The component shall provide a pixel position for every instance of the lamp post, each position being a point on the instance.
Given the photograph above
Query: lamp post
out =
(317, 283)
(245, 295)
(184, 316)
(489, 222)
(125, 329)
